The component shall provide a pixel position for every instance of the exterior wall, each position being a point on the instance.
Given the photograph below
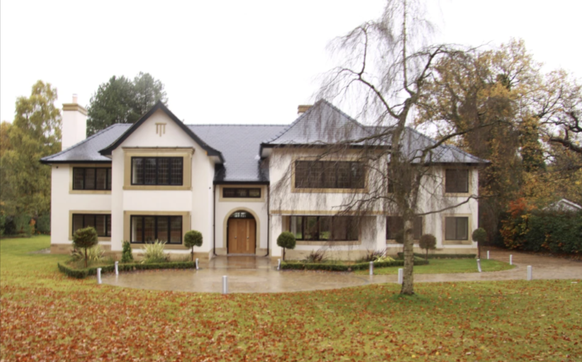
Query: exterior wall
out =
(64, 200)
(74, 125)
(257, 207)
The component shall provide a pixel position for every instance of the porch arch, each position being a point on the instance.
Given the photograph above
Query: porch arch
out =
(257, 227)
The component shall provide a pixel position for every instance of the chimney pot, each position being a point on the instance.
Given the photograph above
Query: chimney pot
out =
(75, 98)
(302, 108)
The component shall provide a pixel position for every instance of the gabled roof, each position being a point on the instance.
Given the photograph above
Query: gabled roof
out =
(211, 151)
(322, 124)
(563, 205)
(87, 151)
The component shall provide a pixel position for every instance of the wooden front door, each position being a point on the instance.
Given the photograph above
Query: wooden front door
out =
(241, 236)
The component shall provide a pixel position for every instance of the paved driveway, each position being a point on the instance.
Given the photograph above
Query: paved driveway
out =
(257, 275)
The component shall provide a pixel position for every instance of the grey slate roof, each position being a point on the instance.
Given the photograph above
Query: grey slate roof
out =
(88, 149)
(239, 145)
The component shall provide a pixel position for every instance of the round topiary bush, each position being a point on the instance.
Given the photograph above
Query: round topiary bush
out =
(191, 239)
(126, 254)
(85, 238)
(427, 241)
(480, 235)
(287, 241)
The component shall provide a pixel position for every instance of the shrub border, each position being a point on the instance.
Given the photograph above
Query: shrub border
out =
(83, 273)
(299, 265)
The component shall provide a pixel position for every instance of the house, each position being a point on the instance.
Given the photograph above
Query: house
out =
(563, 205)
(241, 186)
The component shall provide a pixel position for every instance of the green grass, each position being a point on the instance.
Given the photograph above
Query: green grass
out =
(47, 316)
(441, 266)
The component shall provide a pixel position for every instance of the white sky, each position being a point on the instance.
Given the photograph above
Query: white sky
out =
(237, 61)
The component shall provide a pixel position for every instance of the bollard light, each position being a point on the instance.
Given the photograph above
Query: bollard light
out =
(400, 276)
(487, 254)
(197, 264)
(510, 259)
(279, 265)
(371, 268)
(529, 273)
(98, 275)
(116, 268)
(479, 265)
(224, 284)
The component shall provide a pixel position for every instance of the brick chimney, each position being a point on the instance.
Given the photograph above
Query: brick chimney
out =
(74, 123)
(302, 108)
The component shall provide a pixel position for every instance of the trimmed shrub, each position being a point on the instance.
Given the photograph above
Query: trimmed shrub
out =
(287, 241)
(191, 239)
(427, 241)
(154, 253)
(479, 235)
(83, 273)
(85, 238)
(95, 253)
(442, 256)
(345, 267)
(126, 254)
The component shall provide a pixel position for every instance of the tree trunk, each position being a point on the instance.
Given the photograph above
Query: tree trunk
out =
(85, 257)
(192, 253)
(408, 278)
(283, 254)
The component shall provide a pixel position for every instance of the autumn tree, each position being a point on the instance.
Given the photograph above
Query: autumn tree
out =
(122, 100)
(35, 133)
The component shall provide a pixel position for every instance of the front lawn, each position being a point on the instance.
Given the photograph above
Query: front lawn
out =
(440, 266)
(48, 316)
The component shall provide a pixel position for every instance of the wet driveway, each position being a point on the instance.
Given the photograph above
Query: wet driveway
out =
(257, 275)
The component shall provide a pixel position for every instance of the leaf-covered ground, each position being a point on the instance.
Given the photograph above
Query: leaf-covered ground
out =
(46, 316)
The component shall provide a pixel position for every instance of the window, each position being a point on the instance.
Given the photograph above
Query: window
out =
(147, 229)
(101, 223)
(240, 192)
(456, 181)
(329, 175)
(157, 171)
(395, 224)
(456, 228)
(324, 228)
(91, 178)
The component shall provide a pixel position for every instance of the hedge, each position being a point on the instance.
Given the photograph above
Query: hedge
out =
(300, 265)
(554, 232)
(443, 256)
(83, 273)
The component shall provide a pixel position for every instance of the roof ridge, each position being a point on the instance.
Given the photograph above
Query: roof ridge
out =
(238, 125)
(85, 140)
(447, 145)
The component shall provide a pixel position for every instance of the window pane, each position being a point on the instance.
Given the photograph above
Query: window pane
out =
(149, 231)
(176, 229)
(340, 228)
(462, 231)
(101, 225)
(254, 192)
(457, 181)
(296, 227)
(163, 228)
(163, 171)
(310, 228)
(108, 179)
(241, 193)
(150, 171)
(324, 228)
(101, 179)
(89, 179)
(353, 229)
(137, 172)
(137, 229)
(229, 192)
(77, 222)
(357, 175)
(78, 178)
(394, 224)
(301, 174)
(329, 177)
(108, 225)
(176, 171)
(343, 175)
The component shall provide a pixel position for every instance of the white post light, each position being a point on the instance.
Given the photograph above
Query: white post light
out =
(98, 275)
(400, 275)
(197, 264)
(510, 259)
(224, 284)
(479, 265)
(487, 254)
(529, 273)
(279, 265)
(371, 268)
(116, 268)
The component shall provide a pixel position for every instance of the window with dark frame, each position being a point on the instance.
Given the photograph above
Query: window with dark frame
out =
(456, 180)
(324, 228)
(329, 175)
(395, 224)
(157, 171)
(456, 228)
(101, 223)
(91, 178)
(149, 228)
(241, 192)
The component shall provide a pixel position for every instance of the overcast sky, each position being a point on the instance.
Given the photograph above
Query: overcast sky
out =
(238, 61)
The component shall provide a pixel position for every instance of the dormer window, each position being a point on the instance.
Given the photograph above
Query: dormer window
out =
(157, 171)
